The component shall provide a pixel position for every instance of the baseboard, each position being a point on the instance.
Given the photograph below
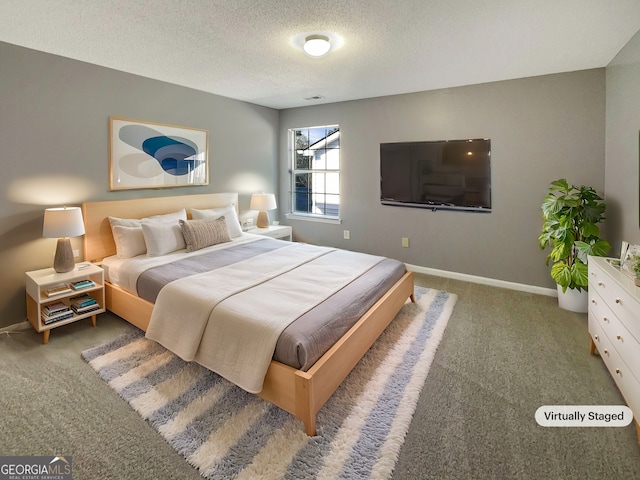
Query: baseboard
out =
(550, 292)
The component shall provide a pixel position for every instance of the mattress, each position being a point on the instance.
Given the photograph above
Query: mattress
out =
(305, 339)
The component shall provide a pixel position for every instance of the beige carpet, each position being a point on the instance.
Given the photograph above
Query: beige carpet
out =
(504, 353)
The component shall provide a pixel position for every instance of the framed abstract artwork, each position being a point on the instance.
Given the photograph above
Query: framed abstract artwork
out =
(154, 155)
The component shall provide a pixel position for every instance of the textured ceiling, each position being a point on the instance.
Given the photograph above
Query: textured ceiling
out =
(251, 49)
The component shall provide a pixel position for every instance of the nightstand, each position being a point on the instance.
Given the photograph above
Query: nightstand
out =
(282, 232)
(57, 299)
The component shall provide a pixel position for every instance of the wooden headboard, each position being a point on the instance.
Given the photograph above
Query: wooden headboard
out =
(98, 240)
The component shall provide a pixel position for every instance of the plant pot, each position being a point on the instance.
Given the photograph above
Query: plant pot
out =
(573, 300)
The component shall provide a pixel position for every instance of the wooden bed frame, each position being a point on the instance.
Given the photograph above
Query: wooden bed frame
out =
(300, 393)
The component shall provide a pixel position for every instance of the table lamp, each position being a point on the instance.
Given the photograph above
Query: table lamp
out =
(62, 223)
(263, 202)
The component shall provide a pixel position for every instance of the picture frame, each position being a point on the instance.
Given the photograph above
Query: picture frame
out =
(156, 155)
(631, 254)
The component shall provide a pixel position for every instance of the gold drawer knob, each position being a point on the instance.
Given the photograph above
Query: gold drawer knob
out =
(605, 319)
(617, 300)
(618, 337)
(600, 284)
(596, 337)
(593, 301)
(618, 371)
(606, 351)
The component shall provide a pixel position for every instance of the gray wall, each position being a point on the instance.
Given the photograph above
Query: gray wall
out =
(54, 133)
(541, 128)
(54, 136)
(622, 156)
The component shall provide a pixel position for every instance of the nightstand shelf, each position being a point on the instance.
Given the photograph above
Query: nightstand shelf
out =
(282, 232)
(38, 282)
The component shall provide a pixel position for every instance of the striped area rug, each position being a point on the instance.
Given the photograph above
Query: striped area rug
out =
(226, 433)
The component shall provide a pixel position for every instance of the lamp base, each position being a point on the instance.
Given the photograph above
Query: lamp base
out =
(63, 261)
(263, 219)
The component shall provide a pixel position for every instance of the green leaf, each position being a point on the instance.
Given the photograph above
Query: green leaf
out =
(550, 206)
(589, 230)
(596, 248)
(560, 250)
(561, 273)
(600, 248)
(579, 275)
(559, 185)
(583, 250)
(544, 239)
(594, 211)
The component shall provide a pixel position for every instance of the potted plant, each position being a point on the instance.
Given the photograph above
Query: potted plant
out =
(571, 215)
(636, 269)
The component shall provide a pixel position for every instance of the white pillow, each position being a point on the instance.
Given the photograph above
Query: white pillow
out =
(124, 222)
(125, 245)
(230, 216)
(168, 217)
(129, 241)
(135, 222)
(162, 237)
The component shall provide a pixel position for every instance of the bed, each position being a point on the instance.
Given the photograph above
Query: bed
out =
(299, 391)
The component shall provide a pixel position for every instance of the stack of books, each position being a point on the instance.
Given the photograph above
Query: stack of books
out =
(57, 289)
(82, 284)
(83, 304)
(54, 312)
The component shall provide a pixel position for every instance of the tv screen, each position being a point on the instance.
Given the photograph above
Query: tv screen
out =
(446, 174)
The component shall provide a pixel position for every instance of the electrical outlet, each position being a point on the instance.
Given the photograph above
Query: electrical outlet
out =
(405, 242)
(76, 253)
(346, 234)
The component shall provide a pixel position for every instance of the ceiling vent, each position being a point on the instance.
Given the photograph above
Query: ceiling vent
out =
(314, 97)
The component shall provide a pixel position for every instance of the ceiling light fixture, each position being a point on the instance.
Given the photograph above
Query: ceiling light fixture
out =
(317, 45)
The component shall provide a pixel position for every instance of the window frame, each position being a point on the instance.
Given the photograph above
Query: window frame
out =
(294, 171)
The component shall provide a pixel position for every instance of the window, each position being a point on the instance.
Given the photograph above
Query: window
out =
(315, 173)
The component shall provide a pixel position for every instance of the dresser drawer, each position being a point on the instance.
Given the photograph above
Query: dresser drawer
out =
(627, 383)
(596, 274)
(599, 307)
(596, 331)
(618, 336)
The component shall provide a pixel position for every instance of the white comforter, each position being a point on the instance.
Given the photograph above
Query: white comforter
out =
(229, 319)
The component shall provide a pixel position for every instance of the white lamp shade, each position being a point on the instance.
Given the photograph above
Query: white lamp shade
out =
(316, 45)
(63, 222)
(263, 201)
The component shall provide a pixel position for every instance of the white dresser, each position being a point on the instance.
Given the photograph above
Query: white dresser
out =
(614, 326)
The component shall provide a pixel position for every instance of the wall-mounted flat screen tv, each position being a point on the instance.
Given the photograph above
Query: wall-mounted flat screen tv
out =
(446, 174)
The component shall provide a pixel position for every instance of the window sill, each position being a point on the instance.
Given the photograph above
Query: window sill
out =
(313, 218)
